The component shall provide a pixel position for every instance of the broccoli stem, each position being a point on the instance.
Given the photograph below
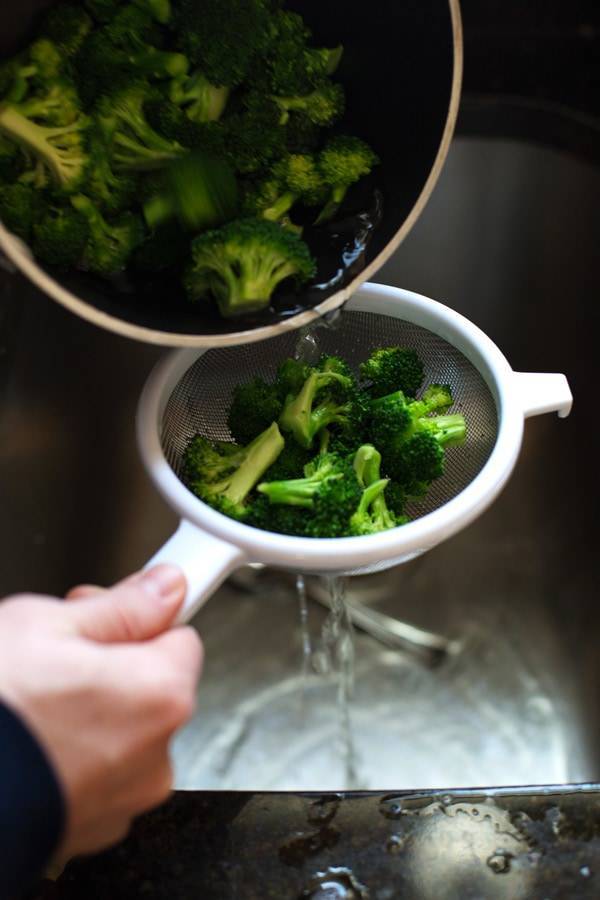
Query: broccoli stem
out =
(260, 455)
(300, 418)
(452, 429)
(37, 139)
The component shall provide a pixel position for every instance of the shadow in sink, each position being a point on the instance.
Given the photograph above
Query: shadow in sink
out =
(509, 238)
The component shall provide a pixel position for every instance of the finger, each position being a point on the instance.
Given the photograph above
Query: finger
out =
(137, 610)
(182, 648)
(84, 591)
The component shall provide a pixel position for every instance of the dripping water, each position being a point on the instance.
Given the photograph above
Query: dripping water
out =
(305, 636)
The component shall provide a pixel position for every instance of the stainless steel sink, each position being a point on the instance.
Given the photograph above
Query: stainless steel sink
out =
(510, 239)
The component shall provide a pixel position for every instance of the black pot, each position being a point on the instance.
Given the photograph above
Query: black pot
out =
(402, 70)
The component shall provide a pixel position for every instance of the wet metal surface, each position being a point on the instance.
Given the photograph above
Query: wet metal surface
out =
(486, 846)
(510, 239)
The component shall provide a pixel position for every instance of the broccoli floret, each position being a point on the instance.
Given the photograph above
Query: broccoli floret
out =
(222, 37)
(324, 399)
(242, 264)
(60, 236)
(68, 26)
(110, 244)
(118, 53)
(253, 407)
(201, 100)
(290, 66)
(113, 192)
(58, 105)
(134, 144)
(294, 179)
(223, 475)
(372, 514)
(199, 190)
(290, 463)
(323, 106)
(390, 369)
(342, 162)
(60, 151)
(301, 491)
(20, 207)
(321, 504)
(412, 441)
(253, 137)
(46, 59)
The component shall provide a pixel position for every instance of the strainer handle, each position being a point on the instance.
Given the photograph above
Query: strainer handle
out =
(206, 562)
(543, 392)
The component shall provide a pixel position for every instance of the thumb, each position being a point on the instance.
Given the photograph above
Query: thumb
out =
(135, 610)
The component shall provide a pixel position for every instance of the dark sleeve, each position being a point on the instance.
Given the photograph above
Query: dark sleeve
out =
(31, 807)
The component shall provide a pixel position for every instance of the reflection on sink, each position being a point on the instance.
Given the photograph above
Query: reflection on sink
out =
(509, 238)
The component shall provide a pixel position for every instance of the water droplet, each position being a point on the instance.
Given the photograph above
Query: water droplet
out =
(390, 807)
(394, 844)
(499, 861)
(585, 871)
(474, 811)
(335, 884)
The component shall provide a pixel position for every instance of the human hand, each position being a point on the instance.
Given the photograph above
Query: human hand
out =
(103, 682)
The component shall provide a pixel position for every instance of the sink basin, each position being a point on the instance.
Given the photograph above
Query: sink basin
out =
(509, 239)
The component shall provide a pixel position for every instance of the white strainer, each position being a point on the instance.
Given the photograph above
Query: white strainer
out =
(190, 391)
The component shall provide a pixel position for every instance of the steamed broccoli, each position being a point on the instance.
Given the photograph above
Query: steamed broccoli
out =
(109, 244)
(68, 26)
(254, 406)
(323, 106)
(134, 144)
(390, 369)
(59, 150)
(242, 264)
(373, 513)
(120, 52)
(200, 191)
(293, 179)
(222, 37)
(113, 191)
(253, 137)
(200, 100)
(411, 440)
(324, 399)
(223, 474)
(342, 162)
(20, 207)
(290, 66)
(60, 236)
(301, 491)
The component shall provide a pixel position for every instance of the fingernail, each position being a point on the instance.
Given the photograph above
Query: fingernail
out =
(166, 581)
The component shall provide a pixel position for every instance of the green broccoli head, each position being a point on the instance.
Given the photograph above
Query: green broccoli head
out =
(20, 207)
(391, 369)
(60, 236)
(253, 137)
(254, 406)
(200, 100)
(67, 25)
(323, 400)
(412, 442)
(110, 244)
(113, 192)
(323, 106)
(134, 145)
(372, 514)
(222, 37)
(290, 67)
(242, 264)
(342, 162)
(302, 491)
(223, 475)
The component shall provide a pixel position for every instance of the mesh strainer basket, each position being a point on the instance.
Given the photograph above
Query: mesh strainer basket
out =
(190, 391)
